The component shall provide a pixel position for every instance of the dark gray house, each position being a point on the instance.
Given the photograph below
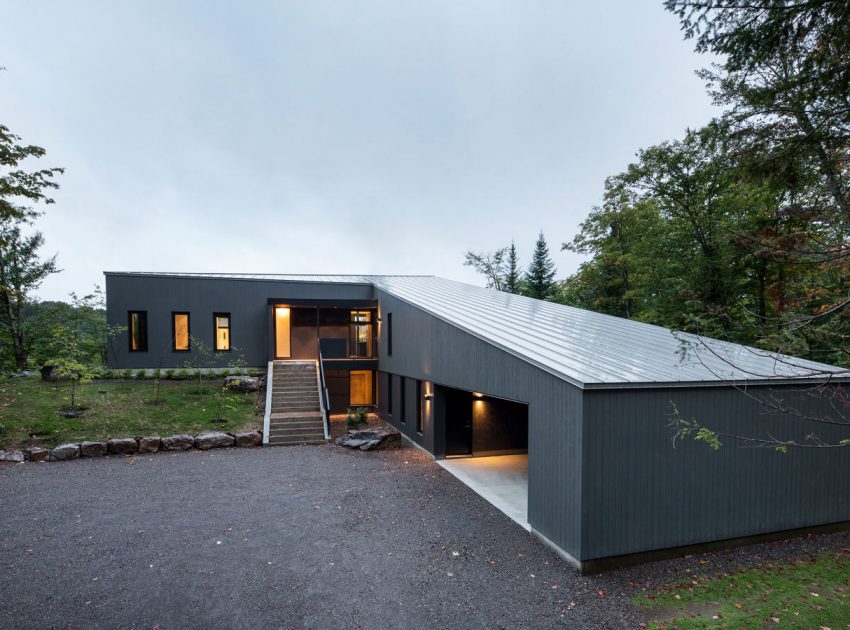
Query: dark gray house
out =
(464, 371)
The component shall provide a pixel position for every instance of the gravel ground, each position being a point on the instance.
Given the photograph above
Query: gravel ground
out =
(316, 537)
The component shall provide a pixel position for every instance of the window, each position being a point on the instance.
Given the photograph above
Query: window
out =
(221, 322)
(389, 394)
(361, 334)
(138, 327)
(402, 402)
(360, 387)
(419, 406)
(389, 334)
(180, 331)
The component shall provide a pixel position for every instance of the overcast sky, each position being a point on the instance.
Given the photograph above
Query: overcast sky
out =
(334, 137)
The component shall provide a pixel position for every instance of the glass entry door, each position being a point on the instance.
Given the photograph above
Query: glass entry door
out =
(282, 322)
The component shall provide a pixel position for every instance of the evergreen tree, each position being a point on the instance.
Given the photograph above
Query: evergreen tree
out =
(513, 276)
(540, 277)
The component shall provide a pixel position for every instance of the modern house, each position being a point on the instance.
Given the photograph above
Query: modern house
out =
(464, 371)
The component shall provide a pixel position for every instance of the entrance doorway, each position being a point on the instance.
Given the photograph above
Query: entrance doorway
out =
(282, 332)
(458, 405)
(360, 387)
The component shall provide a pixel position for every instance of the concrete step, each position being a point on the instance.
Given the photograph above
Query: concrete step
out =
(295, 442)
(298, 389)
(298, 432)
(294, 408)
(286, 429)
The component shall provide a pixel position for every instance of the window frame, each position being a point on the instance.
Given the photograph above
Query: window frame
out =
(174, 347)
(419, 421)
(389, 394)
(402, 400)
(143, 328)
(229, 332)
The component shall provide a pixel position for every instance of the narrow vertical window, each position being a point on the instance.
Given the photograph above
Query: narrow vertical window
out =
(138, 331)
(390, 394)
(221, 322)
(402, 399)
(419, 406)
(389, 334)
(180, 331)
(360, 343)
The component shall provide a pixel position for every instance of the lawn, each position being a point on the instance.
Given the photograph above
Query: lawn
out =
(30, 410)
(814, 593)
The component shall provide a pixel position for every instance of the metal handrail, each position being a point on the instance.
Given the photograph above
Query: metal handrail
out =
(323, 393)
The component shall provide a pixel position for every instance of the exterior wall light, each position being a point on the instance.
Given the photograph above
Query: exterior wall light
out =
(477, 395)
(428, 396)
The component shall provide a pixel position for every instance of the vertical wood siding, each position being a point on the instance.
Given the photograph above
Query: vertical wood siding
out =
(642, 494)
(427, 348)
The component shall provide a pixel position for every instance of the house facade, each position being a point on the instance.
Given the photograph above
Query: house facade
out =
(464, 371)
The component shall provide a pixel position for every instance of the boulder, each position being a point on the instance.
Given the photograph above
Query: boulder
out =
(65, 452)
(242, 384)
(371, 439)
(213, 439)
(149, 444)
(92, 449)
(36, 454)
(248, 438)
(24, 374)
(49, 373)
(176, 443)
(11, 456)
(122, 446)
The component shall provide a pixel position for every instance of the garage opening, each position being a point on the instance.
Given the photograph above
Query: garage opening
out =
(485, 445)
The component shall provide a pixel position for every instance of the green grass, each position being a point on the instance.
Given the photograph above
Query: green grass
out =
(30, 410)
(803, 594)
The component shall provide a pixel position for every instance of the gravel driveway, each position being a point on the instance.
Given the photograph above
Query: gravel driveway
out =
(315, 537)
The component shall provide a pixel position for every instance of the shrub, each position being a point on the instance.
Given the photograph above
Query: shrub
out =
(362, 415)
(126, 373)
(169, 374)
(181, 374)
(141, 374)
(351, 420)
(224, 373)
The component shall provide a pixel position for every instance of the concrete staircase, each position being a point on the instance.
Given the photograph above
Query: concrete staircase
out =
(296, 415)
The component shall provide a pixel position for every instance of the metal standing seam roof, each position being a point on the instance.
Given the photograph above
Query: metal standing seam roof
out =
(585, 348)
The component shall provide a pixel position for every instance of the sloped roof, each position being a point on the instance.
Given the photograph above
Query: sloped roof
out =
(588, 349)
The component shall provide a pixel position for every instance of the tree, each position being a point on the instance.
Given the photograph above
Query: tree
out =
(513, 275)
(540, 277)
(492, 266)
(21, 272)
(18, 186)
(72, 362)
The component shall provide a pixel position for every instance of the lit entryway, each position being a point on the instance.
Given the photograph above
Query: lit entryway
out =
(501, 479)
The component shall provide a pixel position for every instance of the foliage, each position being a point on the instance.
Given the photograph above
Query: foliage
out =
(513, 275)
(116, 408)
(21, 272)
(491, 265)
(356, 417)
(811, 593)
(540, 277)
(69, 360)
(19, 186)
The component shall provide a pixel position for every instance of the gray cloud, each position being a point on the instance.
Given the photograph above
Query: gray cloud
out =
(334, 137)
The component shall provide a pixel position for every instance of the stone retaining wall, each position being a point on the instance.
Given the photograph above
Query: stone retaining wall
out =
(131, 445)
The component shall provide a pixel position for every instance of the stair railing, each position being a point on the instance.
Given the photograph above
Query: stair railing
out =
(267, 412)
(324, 399)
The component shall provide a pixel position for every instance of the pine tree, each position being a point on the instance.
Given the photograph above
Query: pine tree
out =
(540, 277)
(513, 276)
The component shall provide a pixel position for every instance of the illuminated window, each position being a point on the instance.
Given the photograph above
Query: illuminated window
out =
(360, 389)
(222, 331)
(361, 334)
(180, 331)
(138, 328)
